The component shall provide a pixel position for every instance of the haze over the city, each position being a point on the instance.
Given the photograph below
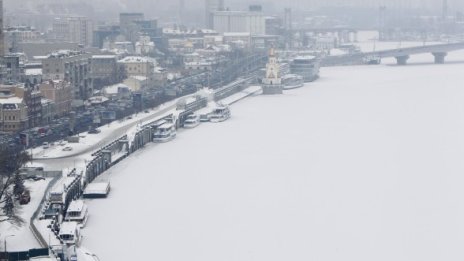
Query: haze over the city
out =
(230, 130)
(167, 11)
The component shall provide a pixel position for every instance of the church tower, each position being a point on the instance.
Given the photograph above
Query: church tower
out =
(272, 83)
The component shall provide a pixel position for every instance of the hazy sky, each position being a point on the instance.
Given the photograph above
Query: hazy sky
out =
(167, 10)
(163, 4)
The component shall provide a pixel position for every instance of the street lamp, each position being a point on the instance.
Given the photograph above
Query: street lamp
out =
(6, 252)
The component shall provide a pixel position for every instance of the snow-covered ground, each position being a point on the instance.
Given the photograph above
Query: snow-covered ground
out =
(364, 164)
(22, 238)
(91, 142)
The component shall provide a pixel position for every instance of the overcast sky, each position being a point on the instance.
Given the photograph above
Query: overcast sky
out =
(167, 10)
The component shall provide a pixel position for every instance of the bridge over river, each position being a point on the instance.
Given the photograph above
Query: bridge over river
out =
(439, 52)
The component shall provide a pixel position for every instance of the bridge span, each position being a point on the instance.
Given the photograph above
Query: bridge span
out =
(439, 52)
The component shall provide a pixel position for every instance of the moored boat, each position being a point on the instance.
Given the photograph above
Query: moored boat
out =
(292, 81)
(70, 233)
(192, 121)
(164, 133)
(220, 113)
(77, 212)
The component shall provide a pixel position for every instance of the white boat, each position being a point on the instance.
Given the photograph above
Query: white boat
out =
(192, 121)
(77, 212)
(204, 117)
(219, 114)
(307, 66)
(70, 233)
(165, 132)
(292, 81)
(372, 60)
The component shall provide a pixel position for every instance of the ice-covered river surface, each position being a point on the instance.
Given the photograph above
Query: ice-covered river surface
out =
(367, 163)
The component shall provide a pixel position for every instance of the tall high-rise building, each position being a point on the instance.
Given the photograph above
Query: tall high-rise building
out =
(444, 9)
(2, 36)
(212, 6)
(128, 25)
(74, 29)
(239, 21)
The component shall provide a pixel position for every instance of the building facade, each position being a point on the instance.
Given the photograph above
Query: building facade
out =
(13, 114)
(31, 98)
(106, 70)
(48, 111)
(139, 66)
(73, 67)
(128, 25)
(12, 68)
(239, 21)
(60, 93)
(74, 29)
(2, 34)
(212, 6)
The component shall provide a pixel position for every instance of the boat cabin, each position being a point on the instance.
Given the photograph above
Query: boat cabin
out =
(164, 132)
(219, 114)
(70, 233)
(192, 121)
(78, 212)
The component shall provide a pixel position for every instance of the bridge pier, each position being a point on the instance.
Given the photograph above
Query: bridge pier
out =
(440, 57)
(402, 60)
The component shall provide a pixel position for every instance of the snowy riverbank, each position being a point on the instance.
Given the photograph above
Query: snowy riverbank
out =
(365, 163)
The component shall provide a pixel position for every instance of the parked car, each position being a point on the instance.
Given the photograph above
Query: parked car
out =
(94, 131)
(67, 149)
(25, 198)
(45, 145)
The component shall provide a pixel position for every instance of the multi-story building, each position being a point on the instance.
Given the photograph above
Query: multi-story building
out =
(106, 70)
(239, 21)
(60, 93)
(48, 111)
(212, 6)
(2, 35)
(32, 99)
(144, 46)
(104, 33)
(198, 62)
(16, 35)
(13, 68)
(139, 66)
(32, 76)
(74, 29)
(129, 28)
(13, 114)
(73, 67)
(241, 40)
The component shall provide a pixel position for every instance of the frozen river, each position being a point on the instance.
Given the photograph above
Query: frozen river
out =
(365, 164)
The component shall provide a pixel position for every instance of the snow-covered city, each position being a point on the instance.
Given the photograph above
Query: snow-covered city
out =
(304, 135)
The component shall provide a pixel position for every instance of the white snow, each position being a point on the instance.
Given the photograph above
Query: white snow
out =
(22, 238)
(76, 206)
(241, 95)
(364, 164)
(97, 188)
(89, 143)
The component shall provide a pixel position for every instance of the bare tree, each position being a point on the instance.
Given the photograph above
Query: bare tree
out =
(11, 160)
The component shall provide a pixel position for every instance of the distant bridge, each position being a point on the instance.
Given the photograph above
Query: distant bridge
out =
(439, 51)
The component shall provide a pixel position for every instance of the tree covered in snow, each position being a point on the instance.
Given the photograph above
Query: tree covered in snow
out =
(11, 183)
(18, 187)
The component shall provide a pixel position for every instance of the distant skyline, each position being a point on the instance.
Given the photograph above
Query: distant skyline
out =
(167, 11)
(198, 4)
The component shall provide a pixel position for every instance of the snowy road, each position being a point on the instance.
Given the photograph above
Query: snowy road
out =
(364, 164)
